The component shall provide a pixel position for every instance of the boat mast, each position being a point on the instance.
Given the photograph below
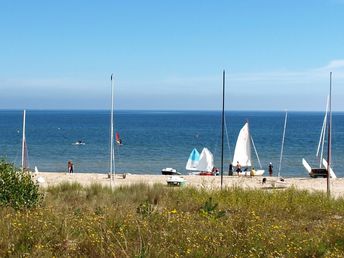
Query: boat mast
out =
(23, 142)
(250, 139)
(285, 126)
(112, 152)
(322, 135)
(223, 122)
(329, 139)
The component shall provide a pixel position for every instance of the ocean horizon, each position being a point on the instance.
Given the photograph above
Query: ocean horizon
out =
(156, 139)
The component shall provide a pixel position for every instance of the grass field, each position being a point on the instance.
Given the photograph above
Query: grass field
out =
(160, 221)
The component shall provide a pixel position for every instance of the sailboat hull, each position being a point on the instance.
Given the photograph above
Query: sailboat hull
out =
(259, 172)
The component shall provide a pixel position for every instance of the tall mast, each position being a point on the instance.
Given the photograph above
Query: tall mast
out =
(284, 129)
(329, 139)
(112, 152)
(223, 122)
(23, 142)
(323, 134)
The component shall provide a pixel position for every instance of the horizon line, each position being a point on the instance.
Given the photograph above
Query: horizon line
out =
(166, 110)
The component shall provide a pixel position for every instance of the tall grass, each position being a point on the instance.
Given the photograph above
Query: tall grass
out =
(157, 221)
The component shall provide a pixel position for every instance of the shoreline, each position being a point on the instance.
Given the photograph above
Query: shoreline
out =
(202, 182)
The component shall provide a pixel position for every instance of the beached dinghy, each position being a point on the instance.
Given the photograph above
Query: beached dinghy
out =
(320, 171)
(175, 181)
(170, 171)
(193, 160)
(205, 165)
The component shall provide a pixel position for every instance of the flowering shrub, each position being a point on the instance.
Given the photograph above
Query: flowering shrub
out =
(17, 189)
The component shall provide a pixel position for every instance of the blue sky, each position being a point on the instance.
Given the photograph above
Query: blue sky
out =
(170, 54)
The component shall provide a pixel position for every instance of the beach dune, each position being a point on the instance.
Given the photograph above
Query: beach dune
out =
(206, 182)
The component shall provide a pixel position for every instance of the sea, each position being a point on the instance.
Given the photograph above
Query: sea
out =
(153, 140)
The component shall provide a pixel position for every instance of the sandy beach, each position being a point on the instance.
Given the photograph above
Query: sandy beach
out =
(207, 182)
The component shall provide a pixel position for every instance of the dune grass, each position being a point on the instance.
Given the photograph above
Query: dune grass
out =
(159, 221)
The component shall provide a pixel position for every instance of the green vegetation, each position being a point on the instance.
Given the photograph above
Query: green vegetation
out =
(17, 190)
(159, 221)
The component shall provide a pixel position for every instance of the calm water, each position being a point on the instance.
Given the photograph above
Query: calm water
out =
(155, 140)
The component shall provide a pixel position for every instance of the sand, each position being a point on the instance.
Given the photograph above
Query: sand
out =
(207, 182)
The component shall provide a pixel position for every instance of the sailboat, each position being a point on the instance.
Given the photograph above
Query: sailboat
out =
(206, 163)
(193, 160)
(201, 164)
(118, 139)
(320, 171)
(25, 157)
(242, 152)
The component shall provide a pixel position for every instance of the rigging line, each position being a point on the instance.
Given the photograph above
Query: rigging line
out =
(284, 129)
(323, 134)
(255, 150)
(227, 138)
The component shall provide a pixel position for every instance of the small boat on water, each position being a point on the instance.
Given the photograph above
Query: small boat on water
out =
(79, 143)
(118, 139)
(170, 171)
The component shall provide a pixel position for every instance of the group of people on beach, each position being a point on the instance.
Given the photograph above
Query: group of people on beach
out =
(239, 169)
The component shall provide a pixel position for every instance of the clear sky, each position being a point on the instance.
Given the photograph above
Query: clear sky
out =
(170, 54)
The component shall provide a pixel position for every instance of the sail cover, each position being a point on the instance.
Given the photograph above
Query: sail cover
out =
(193, 160)
(242, 152)
(206, 161)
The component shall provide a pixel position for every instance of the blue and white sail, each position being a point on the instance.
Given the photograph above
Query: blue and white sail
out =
(206, 161)
(193, 160)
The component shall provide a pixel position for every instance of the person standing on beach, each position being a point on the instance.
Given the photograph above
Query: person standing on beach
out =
(238, 168)
(230, 169)
(70, 166)
(270, 169)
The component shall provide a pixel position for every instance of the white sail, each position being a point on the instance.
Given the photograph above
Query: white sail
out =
(242, 152)
(206, 161)
(193, 160)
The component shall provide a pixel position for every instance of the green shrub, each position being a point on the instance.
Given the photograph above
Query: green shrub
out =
(17, 189)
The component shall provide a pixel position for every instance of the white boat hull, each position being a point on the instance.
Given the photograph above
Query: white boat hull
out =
(258, 172)
(175, 181)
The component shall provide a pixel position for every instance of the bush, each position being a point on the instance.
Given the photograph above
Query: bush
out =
(17, 189)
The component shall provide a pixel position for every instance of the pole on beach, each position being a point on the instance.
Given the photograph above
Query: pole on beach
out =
(23, 142)
(112, 152)
(329, 139)
(223, 122)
